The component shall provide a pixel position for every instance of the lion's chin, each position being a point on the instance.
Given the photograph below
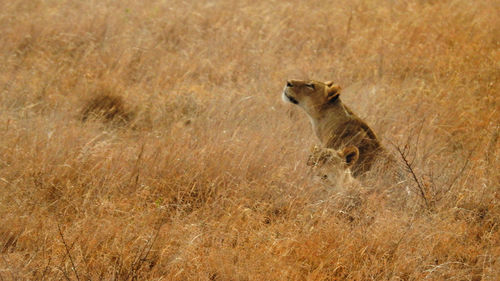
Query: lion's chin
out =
(288, 98)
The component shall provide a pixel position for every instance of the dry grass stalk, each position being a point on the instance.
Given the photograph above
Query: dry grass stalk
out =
(212, 163)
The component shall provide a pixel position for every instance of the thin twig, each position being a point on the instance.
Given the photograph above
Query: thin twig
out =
(136, 170)
(73, 267)
(417, 141)
(64, 272)
(46, 268)
(136, 265)
(409, 168)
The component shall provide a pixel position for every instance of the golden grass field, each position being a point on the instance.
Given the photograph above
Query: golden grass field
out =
(147, 140)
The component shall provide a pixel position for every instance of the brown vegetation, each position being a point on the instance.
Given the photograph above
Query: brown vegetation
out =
(211, 182)
(106, 107)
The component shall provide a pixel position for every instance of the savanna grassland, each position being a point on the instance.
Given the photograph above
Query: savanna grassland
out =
(147, 140)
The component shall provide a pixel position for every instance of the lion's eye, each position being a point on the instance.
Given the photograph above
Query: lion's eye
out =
(310, 86)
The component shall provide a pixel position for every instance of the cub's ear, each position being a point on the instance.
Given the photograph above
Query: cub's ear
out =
(332, 92)
(350, 154)
(329, 83)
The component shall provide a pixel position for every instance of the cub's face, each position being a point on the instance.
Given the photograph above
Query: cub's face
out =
(332, 166)
(310, 95)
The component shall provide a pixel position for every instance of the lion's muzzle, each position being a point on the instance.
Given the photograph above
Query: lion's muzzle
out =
(286, 97)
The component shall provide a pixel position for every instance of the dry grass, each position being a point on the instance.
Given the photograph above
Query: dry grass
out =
(206, 179)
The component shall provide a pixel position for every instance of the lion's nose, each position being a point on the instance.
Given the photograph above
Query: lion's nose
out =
(289, 84)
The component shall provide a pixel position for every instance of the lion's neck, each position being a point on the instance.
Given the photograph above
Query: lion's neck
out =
(326, 121)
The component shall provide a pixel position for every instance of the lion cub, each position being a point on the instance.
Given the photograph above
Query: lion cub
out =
(333, 122)
(332, 166)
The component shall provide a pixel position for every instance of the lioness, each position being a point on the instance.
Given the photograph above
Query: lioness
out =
(333, 122)
(333, 166)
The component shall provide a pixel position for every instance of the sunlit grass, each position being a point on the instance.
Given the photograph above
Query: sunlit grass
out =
(148, 140)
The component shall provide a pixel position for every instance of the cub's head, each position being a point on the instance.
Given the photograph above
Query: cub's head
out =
(311, 95)
(333, 166)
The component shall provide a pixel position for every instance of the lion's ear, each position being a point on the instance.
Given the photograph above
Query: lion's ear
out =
(332, 92)
(350, 154)
(329, 83)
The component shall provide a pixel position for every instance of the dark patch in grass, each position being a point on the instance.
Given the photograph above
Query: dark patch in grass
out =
(107, 108)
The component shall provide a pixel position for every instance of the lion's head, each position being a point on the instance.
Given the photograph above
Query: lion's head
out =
(311, 95)
(331, 165)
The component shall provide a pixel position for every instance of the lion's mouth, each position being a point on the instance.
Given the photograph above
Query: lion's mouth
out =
(291, 99)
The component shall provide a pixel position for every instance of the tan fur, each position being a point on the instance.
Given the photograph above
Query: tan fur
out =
(333, 166)
(333, 122)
